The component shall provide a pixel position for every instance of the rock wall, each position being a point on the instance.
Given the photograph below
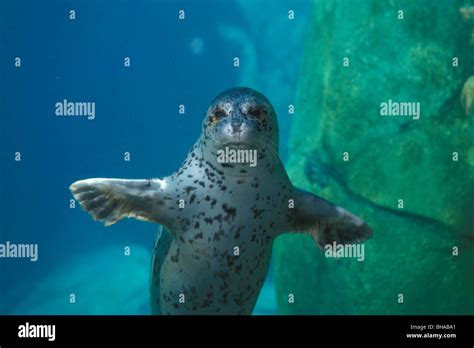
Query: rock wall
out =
(424, 55)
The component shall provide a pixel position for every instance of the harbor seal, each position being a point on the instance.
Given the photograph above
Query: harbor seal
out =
(220, 214)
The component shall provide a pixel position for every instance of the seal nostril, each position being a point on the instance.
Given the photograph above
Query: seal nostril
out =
(236, 127)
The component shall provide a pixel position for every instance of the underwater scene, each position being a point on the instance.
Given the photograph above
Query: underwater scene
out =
(366, 107)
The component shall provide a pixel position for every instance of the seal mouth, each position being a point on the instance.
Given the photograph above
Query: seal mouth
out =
(237, 144)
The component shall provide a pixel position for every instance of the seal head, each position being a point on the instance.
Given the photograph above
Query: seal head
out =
(240, 118)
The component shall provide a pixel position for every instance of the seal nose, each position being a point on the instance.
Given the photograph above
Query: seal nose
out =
(236, 126)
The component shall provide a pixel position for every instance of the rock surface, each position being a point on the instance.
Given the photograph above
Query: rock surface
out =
(390, 158)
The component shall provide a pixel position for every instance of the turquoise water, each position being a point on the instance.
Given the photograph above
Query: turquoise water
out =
(82, 267)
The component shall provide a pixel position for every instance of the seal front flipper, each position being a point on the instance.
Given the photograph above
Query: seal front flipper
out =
(110, 200)
(326, 222)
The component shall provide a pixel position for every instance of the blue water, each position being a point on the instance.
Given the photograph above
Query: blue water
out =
(172, 62)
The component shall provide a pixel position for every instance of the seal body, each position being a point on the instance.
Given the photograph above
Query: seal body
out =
(220, 213)
(219, 259)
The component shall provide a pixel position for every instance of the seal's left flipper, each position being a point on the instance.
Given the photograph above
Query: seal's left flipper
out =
(326, 222)
(110, 200)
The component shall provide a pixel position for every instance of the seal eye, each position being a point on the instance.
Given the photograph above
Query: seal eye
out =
(255, 112)
(217, 115)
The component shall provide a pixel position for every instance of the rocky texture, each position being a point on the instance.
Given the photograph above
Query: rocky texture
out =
(391, 158)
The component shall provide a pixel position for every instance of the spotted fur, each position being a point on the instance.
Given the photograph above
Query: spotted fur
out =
(214, 253)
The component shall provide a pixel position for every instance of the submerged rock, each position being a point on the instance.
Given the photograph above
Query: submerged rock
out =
(411, 179)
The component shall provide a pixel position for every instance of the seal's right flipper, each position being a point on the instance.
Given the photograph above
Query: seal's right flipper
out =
(110, 200)
(326, 222)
